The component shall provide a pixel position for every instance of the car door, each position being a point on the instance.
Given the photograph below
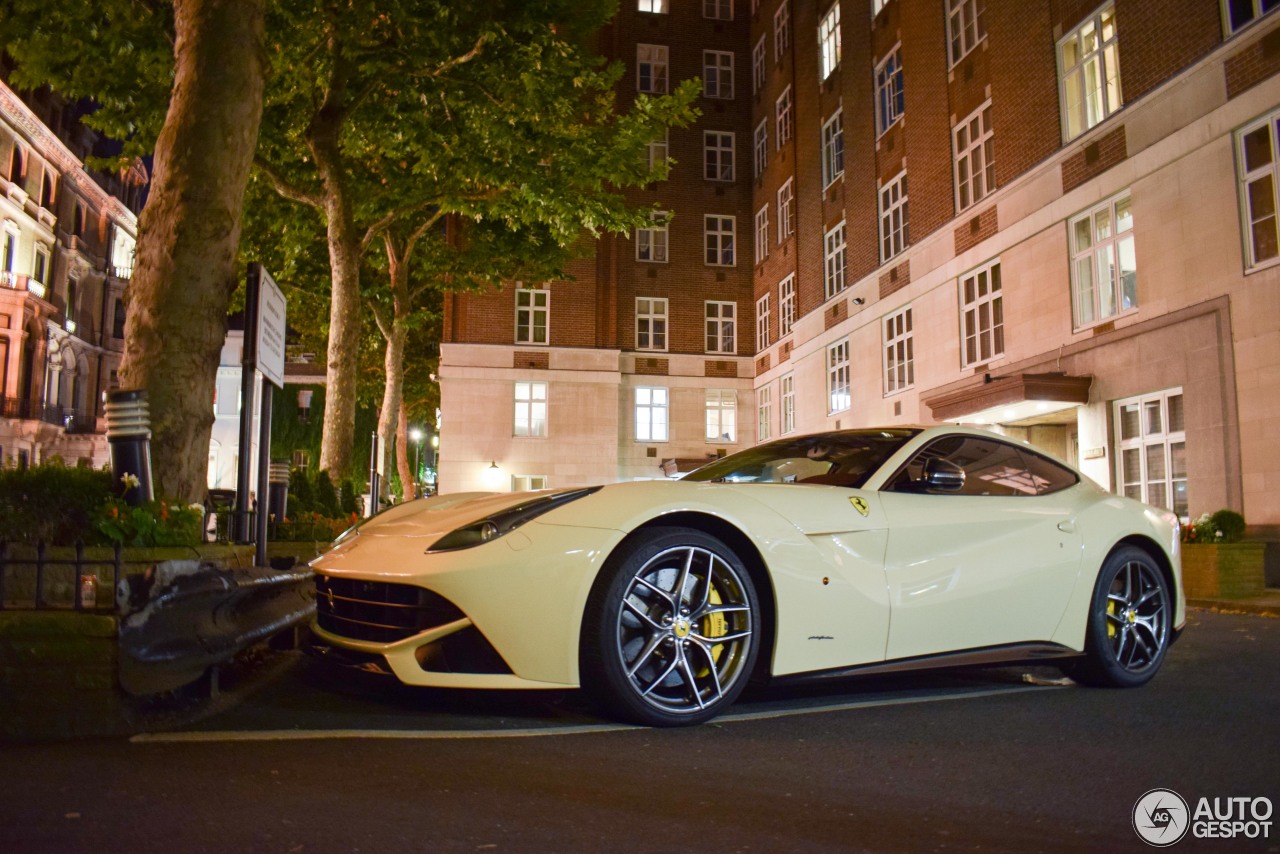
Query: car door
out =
(985, 561)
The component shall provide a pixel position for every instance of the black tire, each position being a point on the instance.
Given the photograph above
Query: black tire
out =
(1130, 621)
(672, 629)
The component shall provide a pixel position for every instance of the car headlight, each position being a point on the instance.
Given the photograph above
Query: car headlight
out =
(505, 521)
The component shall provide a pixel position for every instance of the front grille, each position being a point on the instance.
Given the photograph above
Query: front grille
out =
(377, 611)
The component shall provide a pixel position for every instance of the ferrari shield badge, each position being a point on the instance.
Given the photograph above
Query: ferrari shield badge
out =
(860, 504)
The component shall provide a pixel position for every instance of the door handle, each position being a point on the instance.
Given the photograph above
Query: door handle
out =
(1067, 526)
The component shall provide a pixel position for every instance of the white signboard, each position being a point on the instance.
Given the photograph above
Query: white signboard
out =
(271, 322)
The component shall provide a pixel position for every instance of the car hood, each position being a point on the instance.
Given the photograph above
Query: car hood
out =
(436, 516)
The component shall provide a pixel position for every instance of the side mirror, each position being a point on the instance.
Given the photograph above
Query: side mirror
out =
(943, 475)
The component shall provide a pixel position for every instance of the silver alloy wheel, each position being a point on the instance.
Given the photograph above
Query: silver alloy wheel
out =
(684, 630)
(1137, 616)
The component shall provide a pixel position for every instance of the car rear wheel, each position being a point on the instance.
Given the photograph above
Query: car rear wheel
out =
(670, 635)
(1129, 623)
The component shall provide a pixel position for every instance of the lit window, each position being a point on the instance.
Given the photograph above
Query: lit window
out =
(975, 158)
(786, 212)
(832, 149)
(899, 362)
(786, 305)
(1151, 445)
(759, 72)
(781, 30)
(1089, 73)
(788, 385)
(1256, 155)
(657, 7)
(761, 246)
(966, 26)
(721, 332)
(531, 409)
(717, 74)
(893, 217)
(1104, 268)
(532, 316)
(651, 323)
(717, 155)
(981, 315)
(782, 117)
(651, 68)
(651, 414)
(722, 415)
(762, 323)
(651, 242)
(890, 103)
(764, 413)
(528, 482)
(762, 147)
(719, 240)
(833, 261)
(829, 42)
(718, 10)
(838, 393)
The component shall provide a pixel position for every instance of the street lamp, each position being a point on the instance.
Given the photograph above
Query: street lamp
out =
(416, 435)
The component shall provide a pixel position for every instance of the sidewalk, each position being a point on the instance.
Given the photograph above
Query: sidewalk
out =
(1264, 604)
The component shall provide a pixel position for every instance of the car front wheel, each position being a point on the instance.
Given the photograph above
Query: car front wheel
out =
(1129, 622)
(671, 633)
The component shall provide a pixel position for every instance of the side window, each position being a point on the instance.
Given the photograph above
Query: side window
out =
(989, 467)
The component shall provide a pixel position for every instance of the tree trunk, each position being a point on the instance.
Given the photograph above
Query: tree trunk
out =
(185, 270)
(408, 471)
(397, 335)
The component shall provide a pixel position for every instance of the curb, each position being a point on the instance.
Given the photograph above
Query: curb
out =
(1263, 606)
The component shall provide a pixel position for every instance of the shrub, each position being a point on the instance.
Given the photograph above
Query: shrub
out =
(52, 503)
(1224, 526)
(157, 523)
(326, 497)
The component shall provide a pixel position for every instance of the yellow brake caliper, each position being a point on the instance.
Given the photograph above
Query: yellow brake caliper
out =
(1111, 624)
(714, 625)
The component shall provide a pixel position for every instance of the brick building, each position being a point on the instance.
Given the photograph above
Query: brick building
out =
(66, 258)
(1085, 254)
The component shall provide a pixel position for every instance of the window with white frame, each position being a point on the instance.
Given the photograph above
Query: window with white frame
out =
(1089, 73)
(651, 242)
(761, 246)
(890, 102)
(975, 158)
(764, 413)
(782, 118)
(718, 10)
(1237, 14)
(1104, 267)
(657, 7)
(893, 217)
(833, 261)
(781, 30)
(829, 41)
(759, 65)
(533, 314)
(717, 74)
(651, 68)
(877, 5)
(786, 210)
(838, 387)
(786, 305)
(966, 26)
(531, 409)
(651, 323)
(721, 332)
(1151, 450)
(762, 323)
(528, 482)
(717, 155)
(40, 264)
(719, 240)
(10, 252)
(833, 149)
(722, 415)
(787, 388)
(1258, 161)
(651, 414)
(658, 151)
(762, 147)
(981, 315)
(899, 361)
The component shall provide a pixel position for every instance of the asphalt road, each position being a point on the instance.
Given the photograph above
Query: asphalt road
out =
(981, 760)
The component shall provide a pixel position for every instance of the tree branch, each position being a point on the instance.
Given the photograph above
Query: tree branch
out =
(290, 191)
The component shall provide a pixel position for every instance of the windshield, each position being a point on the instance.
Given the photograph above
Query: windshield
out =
(845, 458)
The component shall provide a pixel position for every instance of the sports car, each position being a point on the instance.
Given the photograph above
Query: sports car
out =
(828, 555)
